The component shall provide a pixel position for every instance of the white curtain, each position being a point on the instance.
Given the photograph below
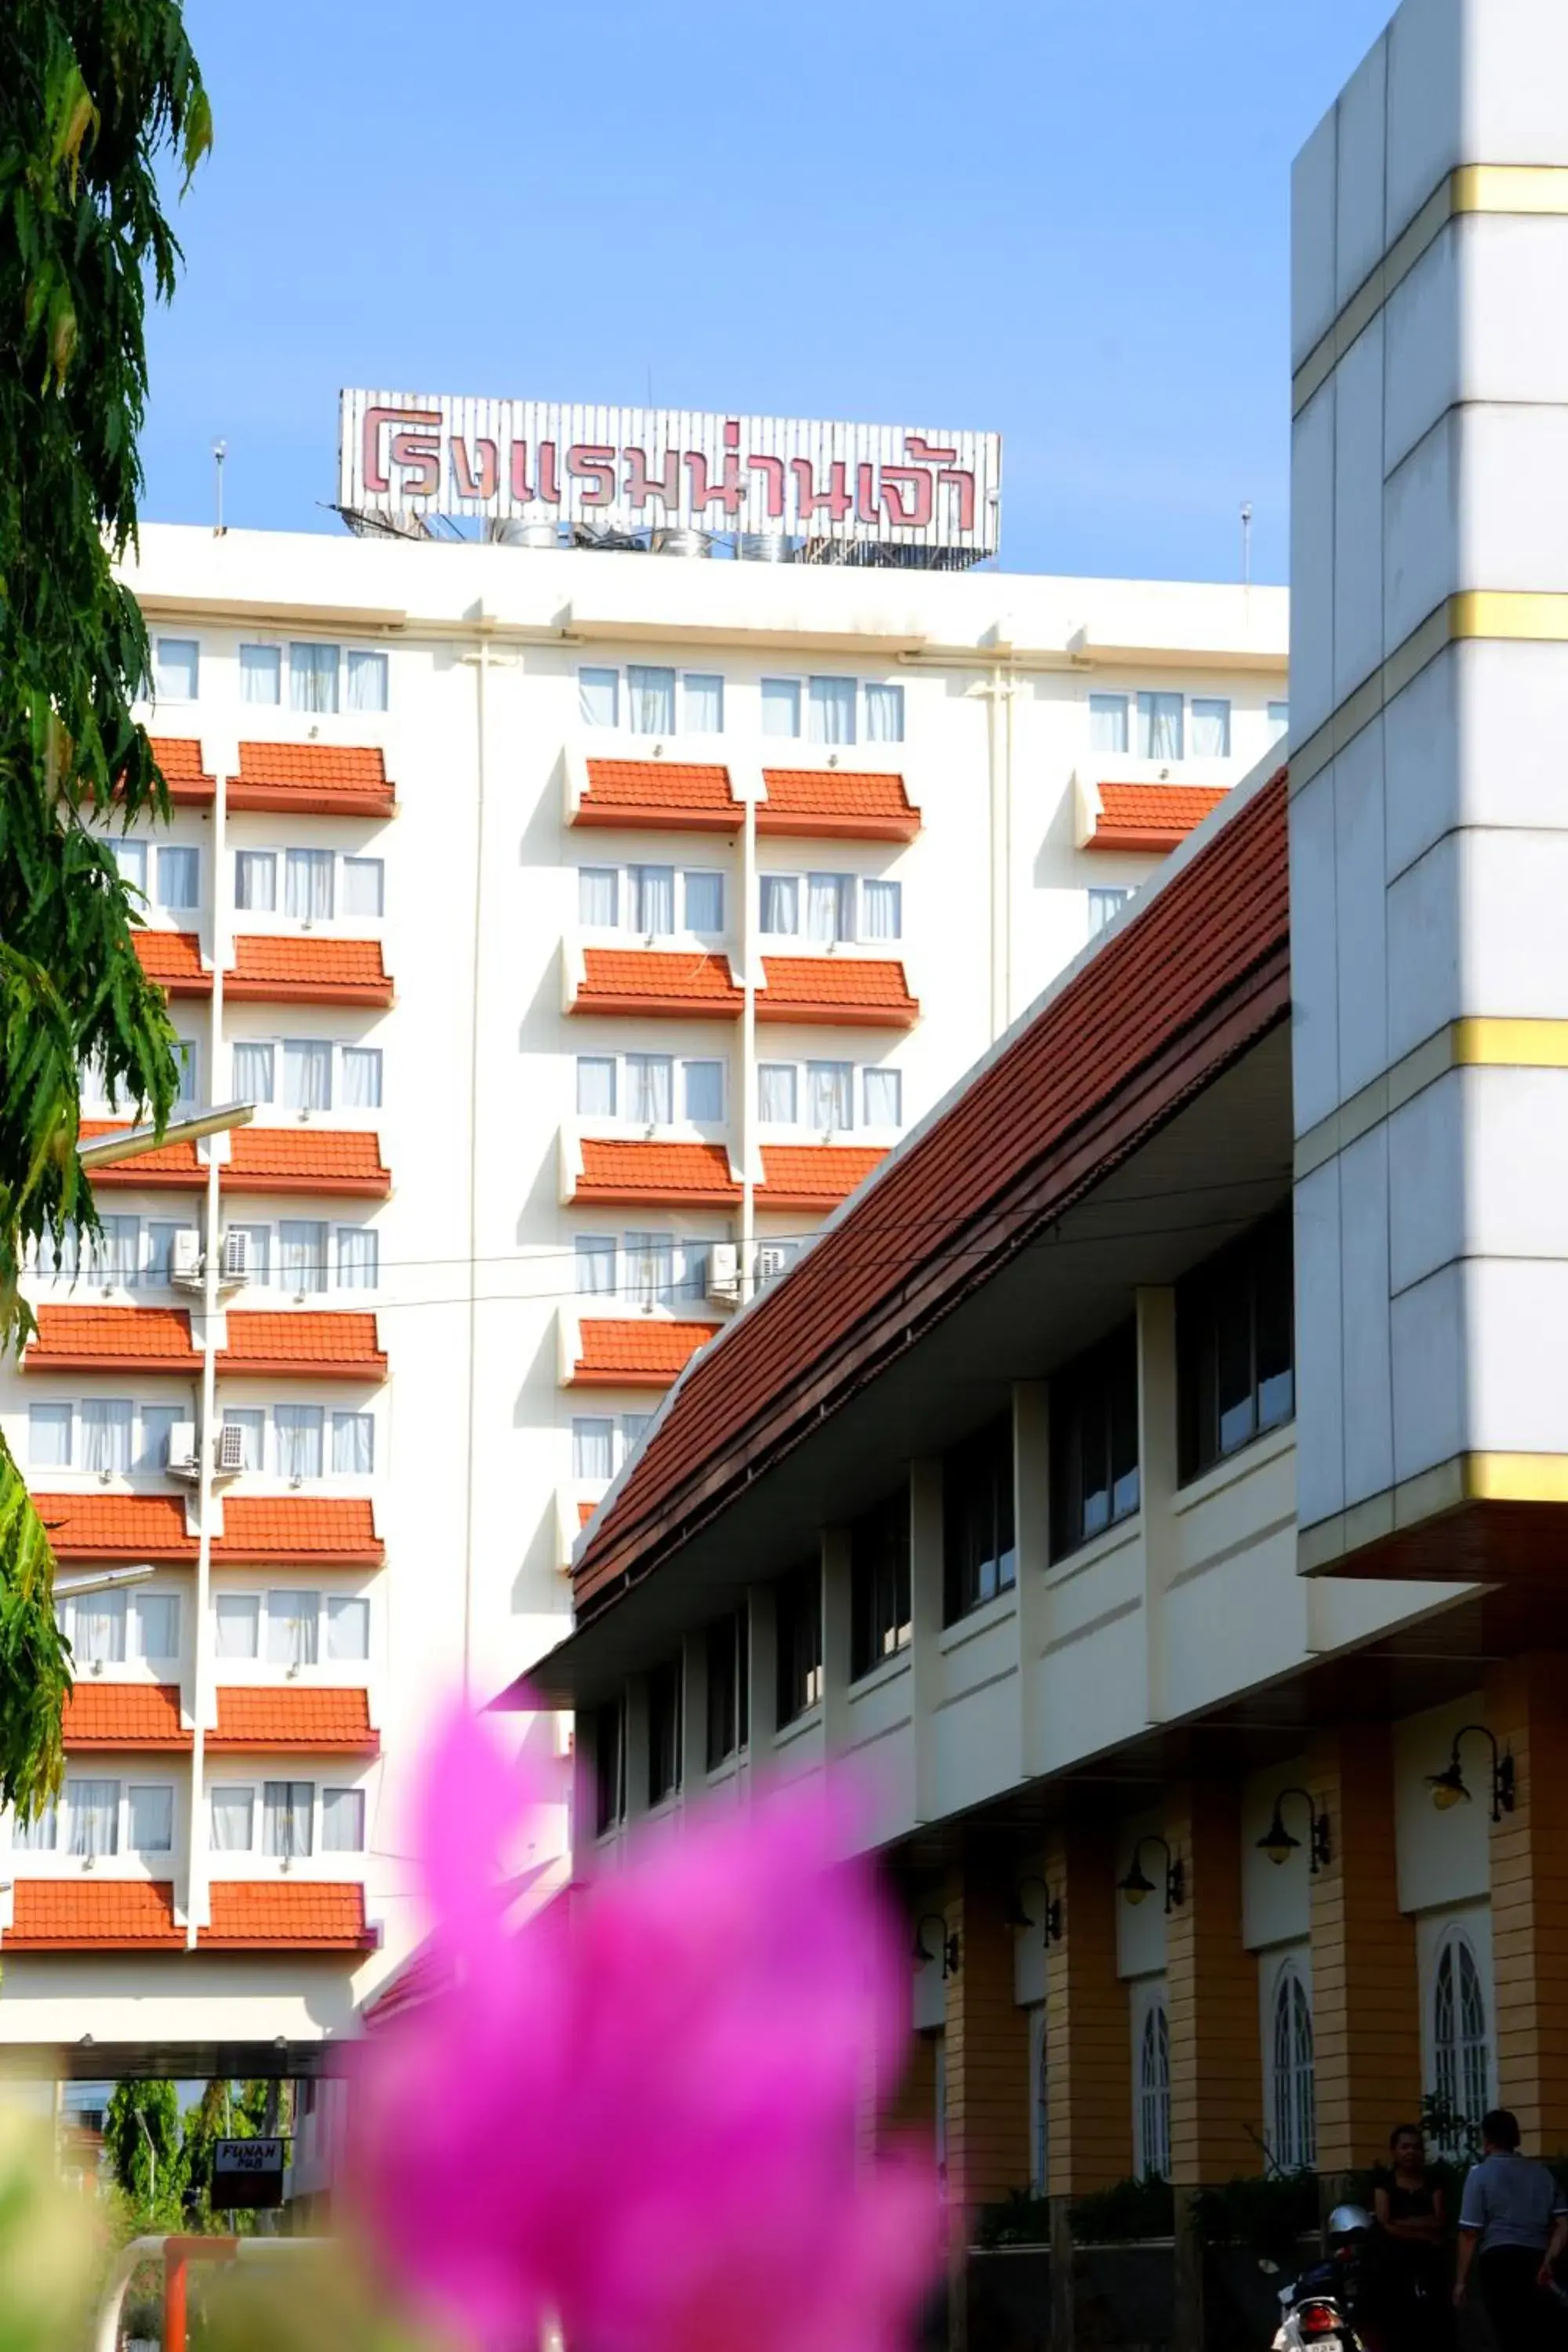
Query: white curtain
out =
(253, 1072)
(150, 1817)
(361, 1078)
(596, 1085)
(649, 1089)
(313, 678)
(157, 1428)
(155, 1624)
(702, 708)
(364, 881)
(1102, 905)
(307, 884)
(261, 673)
(781, 904)
(1210, 728)
(653, 899)
(179, 878)
(307, 1073)
(106, 1433)
(130, 856)
(704, 894)
(598, 897)
(649, 1269)
(781, 706)
(177, 663)
(97, 1628)
(592, 1448)
(40, 1835)
(830, 906)
(884, 909)
(348, 1628)
(702, 1085)
(48, 1436)
(301, 1255)
(599, 698)
(285, 1810)
(342, 1820)
(297, 1430)
(829, 1096)
(776, 1093)
(650, 700)
(116, 1254)
(358, 1257)
(236, 1621)
(595, 1254)
(366, 681)
(833, 711)
(1160, 726)
(884, 714)
(161, 1250)
(1108, 722)
(256, 880)
(251, 1423)
(884, 1098)
(354, 1444)
(232, 1813)
(291, 1623)
(94, 1812)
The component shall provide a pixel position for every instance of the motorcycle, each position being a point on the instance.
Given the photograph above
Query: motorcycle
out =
(1325, 2309)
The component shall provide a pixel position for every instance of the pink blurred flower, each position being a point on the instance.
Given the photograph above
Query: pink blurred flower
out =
(637, 2113)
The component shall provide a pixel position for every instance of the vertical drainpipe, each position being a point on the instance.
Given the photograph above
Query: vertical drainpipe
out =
(749, 1039)
(206, 1422)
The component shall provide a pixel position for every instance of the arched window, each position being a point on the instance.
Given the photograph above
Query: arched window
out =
(1039, 2112)
(1154, 2094)
(1460, 2049)
(1295, 2097)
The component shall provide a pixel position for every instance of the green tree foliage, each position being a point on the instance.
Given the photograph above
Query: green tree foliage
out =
(146, 2152)
(92, 92)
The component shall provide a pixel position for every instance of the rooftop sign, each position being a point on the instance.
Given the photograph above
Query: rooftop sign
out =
(631, 469)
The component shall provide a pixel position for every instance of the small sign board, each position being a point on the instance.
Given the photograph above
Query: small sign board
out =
(248, 2172)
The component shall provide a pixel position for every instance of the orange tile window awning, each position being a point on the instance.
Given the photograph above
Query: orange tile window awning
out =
(268, 1530)
(309, 972)
(175, 959)
(672, 795)
(293, 1915)
(835, 803)
(107, 1338)
(312, 780)
(813, 1175)
(113, 1527)
(293, 1721)
(635, 1352)
(339, 1163)
(585, 1512)
(327, 1347)
(848, 991)
(623, 1175)
(1152, 818)
(104, 1915)
(180, 758)
(143, 1716)
(649, 982)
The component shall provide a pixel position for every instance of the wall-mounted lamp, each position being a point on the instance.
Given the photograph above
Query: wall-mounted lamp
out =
(1136, 1886)
(922, 1955)
(1278, 1844)
(1448, 1787)
(1050, 1920)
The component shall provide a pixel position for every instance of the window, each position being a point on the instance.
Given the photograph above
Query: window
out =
(261, 674)
(729, 1676)
(1235, 1342)
(831, 702)
(1154, 2094)
(260, 1238)
(348, 1628)
(650, 1088)
(185, 1068)
(884, 714)
(664, 1728)
(293, 1619)
(830, 906)
(255, 1071)
(1094, 1442)
(1295, 2108)
(781, 905)
(882, 905)
(781, 706)
(41, 1835)
(358, 1257)
(131, 858)
(255, 881)
(650, 700)
(149, 1818)
(179, 878)
(92, 1809)
(1108, 722)
(704, 896)
(313, 678)
(776, 1093)
(1211, 727)
(364, 887)
(162, 1235)
(702, 704)
(48, 1436)
(354, 1444)
(650, 1269)
(251, 1423)
(307, 1073)
(342, 1820)
(1103, 905)
(702, 1091)
(301, 1255)
(798, 1603)
(106, 1433)
(366, 681)
(879, 1609)
(595, 1256)
(830, 1096)
(598, 897)
(361, 1078)
(592, 1446)
(176, 669)
(96, 1623)
(609, 1766)
(635, 1427)
(297, 1431)
(307, 885)
(599, 697)
(1278, 721)
(1039, 2104)
(236, 1618)
(696, 1262)
(116, 1254)
(154, 1624)
(232, 1813)
(1460, 2046)
(157, 1429)
(979, 1553)
(596, 1085)
(652, 893)
(884, 1092)
(1159, 726)
(285, 1810)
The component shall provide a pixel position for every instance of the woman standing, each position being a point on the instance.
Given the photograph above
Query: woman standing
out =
(1412, 2222)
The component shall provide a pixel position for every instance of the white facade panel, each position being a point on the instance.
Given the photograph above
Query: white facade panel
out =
(1314, 941)
(1320, 1346)
(1511, 474)
(1312, 258)
(1313, 565)
(1368, 1386)
(1430, 1341)
(1421, 501)
(1361, 911)
(1427, 1191)
(1358, 523)
(1425, 104)
(1422, 759)
(1359, 209)
(1424, 947)
(1421, 326)
(1514, 1311)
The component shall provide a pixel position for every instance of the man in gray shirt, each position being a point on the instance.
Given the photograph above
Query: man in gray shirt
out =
(1515, 2216)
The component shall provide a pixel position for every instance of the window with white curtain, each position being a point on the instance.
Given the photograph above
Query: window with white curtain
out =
(254, 1070)
(1108, 722)
(882, 905)
(154, 1624)
(649, 1269)
(150, 1817)
(1295, 2098)
(176, 669)
(48, 1436)
(342, 1820)
(251, 1423)
(1461, 2046)
(599, 697)
(261, 674)
(777, 1091)
(884, 714)
(96, 1624)
(1211, 727)
(702, 1091)
(106, 1433)
(650, 700)
(307, 885)
(364, 887)
(232, 1813)
(650, 1087)
(652, 894)
(302, 1254)
(293, 1618)
(179, 878)
(696, 1258)
(162, 1235)
(156, 1424)
(116, 1254)
(237, 1619)
(255, 881)
(130, 858)
(831, 703)
(781, 904)
(354, 1444)
(366, 681)
(41, 1835)
(596, 1257)
(297, 1432)
(348, 1628)
(830, 906)
(635, 1427)
(781, 706)
(596, 1085)
(829, 1096)
(599, 898)
(307, 1073)
(92, 1809)
(703, 898)
(361, 1078)
(1102, 905)
(313, 678)
(287, 1807)
(358, 1257)
(1278, 721)
(592, 1446)
(185, 1066)
(1159, 727)
(1154, 2094)
(702, 703)
(884, 1098)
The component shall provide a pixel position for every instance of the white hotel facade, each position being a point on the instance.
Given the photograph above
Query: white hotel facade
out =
(585, 925)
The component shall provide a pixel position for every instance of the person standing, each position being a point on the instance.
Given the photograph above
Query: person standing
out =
(1513, 2223)
(1412, 2219)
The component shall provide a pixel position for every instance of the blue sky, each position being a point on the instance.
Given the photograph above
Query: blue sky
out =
(1064, 219)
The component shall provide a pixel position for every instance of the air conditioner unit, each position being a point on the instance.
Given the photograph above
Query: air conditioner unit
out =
(234, 1265)
(774, 1258)
(185, 1259)
(229, 1449)
(184, 1462)
(724, 1274)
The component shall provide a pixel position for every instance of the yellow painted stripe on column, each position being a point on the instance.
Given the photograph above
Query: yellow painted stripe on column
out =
(1486, 1041)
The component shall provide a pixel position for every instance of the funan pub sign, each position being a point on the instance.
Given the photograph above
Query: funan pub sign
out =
(631, 469)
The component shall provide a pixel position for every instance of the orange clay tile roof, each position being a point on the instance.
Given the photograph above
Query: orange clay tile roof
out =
(173, 1167)
(291, 1160)
(625, 1173)
(83, 1338)
(299, 1528)
(315, 779)
(858, 992)
(813, 1175)
(308, 971)
(665, 793)
(1152, 817)
(585, 1512)
(334, 1347)
(267, 1722)
(638, 980)
(116, 1914)
(116, 1527)
(125, 1715)
(832, 803)
(175, 959)
(296, 1915)
(180, 757)
(637, 1353)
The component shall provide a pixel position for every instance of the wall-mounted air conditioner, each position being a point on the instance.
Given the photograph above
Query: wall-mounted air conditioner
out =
(228, 1450)
(724, 1274)
(234, 1265)
(185, 1259)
